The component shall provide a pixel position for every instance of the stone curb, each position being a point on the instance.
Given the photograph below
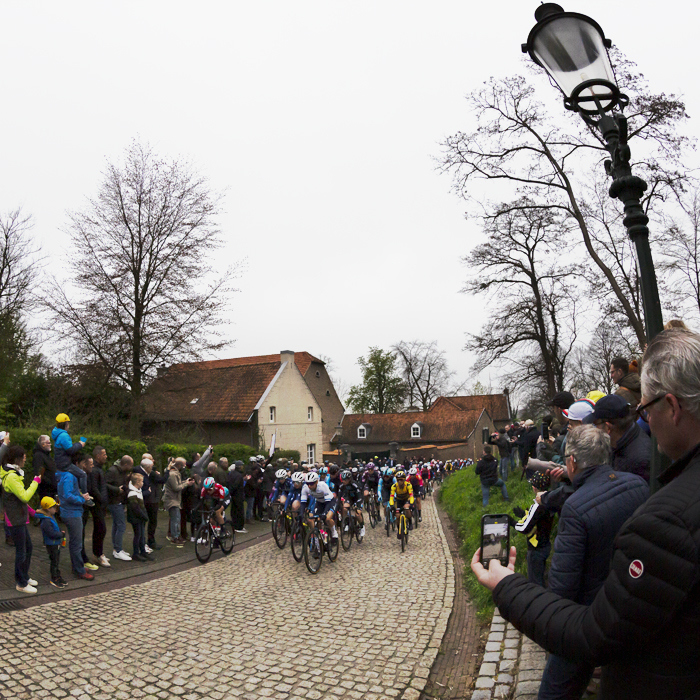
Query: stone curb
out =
(512, 665)
(419, 676)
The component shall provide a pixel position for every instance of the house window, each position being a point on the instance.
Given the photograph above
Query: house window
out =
(328, 392)
(311, 453)
(273, 414)
(310, 413)
(362, 433)
(318, 374)
(415, 430)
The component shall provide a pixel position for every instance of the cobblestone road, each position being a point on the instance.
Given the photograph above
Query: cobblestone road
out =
(254, 625)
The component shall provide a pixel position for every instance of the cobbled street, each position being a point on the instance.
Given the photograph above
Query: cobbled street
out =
(253, 625)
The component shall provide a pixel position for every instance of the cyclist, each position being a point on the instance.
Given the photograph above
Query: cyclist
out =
(402, 496)
(293, 500)
(213, 497)
(281, 487)
(323, 475)
(371, 483)
(385, 484)
(351, 496)
(334, 474)
(316, 495)
(418, 489)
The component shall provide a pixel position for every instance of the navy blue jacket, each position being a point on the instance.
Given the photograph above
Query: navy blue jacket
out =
(633, 452)
(602, 501)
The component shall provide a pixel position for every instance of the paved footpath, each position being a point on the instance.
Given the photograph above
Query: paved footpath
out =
(253, 625)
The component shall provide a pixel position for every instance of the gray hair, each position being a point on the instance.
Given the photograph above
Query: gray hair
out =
(671, 365)
(588, 445)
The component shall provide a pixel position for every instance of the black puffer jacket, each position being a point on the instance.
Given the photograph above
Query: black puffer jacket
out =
(41, 460)
(644, 625)
(527, 443)
(590, 519)
(487, 469)
(633, 452)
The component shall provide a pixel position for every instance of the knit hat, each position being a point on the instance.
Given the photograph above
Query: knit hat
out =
(540, 480)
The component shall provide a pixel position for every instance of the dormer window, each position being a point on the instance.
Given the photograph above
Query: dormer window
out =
(416, 430)
(362, 432)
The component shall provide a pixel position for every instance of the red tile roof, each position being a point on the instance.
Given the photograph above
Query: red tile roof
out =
(302, 360)
(388, 427)
(495, 404)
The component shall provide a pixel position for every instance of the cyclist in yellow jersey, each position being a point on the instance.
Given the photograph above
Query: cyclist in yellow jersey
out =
(402, 495)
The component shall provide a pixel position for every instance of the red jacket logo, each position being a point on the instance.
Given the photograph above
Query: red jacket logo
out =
(636, 568)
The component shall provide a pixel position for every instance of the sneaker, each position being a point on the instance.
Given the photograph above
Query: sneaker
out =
(103, 561)
(85, 576)
(243, 531)
(26, 589)
(148, 557)
(362, 531)
(57, 583)
(121, 555)
(148, 549)
(138, 557)
(181, 540)
(192, 539)
(201, 540)
(154, 546)
(32, 582)
(170, 538)
(347, 527)
(91, 566)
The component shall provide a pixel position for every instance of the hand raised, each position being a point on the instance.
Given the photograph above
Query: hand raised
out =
(491, 577)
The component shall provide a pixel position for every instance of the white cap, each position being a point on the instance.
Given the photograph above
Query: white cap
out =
(579, 410)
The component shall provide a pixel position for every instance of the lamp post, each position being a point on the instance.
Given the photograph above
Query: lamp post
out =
(573, 49)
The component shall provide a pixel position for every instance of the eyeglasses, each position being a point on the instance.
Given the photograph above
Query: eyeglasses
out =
(642, 410)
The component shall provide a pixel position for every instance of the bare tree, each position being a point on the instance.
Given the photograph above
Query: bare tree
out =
(681, 256)
(518, 145)
(425, 371)
(144, 294)
(532, 326)
(18, 255)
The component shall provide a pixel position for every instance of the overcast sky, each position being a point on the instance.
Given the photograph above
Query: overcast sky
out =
(320, 121)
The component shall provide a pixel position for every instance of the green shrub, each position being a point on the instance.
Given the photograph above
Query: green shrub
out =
(461, 497)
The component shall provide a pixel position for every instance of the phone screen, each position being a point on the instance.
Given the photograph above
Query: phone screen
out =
(495, 539)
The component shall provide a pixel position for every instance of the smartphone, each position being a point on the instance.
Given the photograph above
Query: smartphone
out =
(495, 539)
(545, 431)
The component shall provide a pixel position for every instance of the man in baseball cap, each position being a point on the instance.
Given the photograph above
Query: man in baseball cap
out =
(560, 403)
(631, 446)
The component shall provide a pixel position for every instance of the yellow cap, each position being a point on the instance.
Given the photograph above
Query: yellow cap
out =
(48, 502)
(595, 396)
(62, 418)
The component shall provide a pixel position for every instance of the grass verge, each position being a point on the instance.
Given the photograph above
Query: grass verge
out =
(460, 496)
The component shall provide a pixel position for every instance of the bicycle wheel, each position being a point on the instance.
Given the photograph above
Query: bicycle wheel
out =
(346, 533)
(403, 531)
(415, 518)
(227, 537)
(203, 543)
(279, 529)
(387, 523)
(296, 540)
(332, 547)
(372, 514)
(313, 551)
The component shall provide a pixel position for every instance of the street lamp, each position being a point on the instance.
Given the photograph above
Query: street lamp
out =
(573, 49)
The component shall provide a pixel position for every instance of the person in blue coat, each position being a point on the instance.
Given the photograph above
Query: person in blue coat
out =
(64, 449)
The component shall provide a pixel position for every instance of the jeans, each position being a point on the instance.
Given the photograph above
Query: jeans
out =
(75, 543)
(139, 537)
(23, 552)
(118, 525)
(99, 529)
(486, 491)
(250, 502)
(536, 563)
(563, 679)
(503, 470)
(54, 552)
(174, 513)
(152, 510)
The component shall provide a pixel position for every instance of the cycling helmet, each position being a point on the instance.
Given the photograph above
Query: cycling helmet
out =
(412, 471)
(323, 471)
(226, 492)
(354, 470)
(401, 474)
(281, 473)
(311, 478)
(298, 477)
(390, 471)
(346, 474)
(209, 482)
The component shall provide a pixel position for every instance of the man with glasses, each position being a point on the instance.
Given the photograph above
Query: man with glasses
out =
(643, 627)
(631, 446)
